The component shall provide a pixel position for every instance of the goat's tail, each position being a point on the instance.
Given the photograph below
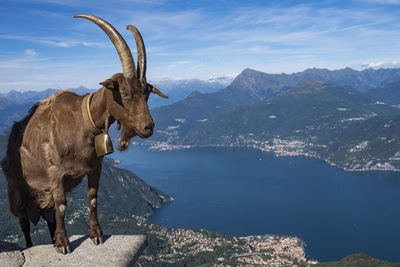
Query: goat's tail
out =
(17, 189)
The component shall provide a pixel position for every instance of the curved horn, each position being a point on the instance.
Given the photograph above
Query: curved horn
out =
(128, 65)
(141, 50)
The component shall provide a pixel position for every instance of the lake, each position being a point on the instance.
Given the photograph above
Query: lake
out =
(241, 192)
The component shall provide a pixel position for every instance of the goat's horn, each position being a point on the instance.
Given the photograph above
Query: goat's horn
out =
(141, 51)
(128, 65)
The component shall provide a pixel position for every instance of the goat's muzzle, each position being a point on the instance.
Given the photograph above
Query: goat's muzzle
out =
(147, 130)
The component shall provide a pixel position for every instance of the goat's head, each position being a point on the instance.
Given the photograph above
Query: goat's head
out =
(129, 91)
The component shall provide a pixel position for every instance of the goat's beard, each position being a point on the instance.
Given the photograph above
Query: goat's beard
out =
(125, 137)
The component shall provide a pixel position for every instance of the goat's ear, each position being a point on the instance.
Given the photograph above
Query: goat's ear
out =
(110, 84)
(156, 91)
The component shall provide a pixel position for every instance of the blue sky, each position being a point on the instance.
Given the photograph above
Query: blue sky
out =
(43, 46)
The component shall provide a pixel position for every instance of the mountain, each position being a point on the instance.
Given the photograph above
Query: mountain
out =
(35, 96)
(251, 85)
(307, 111)
(177, 90)
(177, 119)
(313, 118)
(360, 80)
(123, 192)
(7, 102)
(372, 144)
(32, 96)
(12, 110)
(389, 93)
(14, 105)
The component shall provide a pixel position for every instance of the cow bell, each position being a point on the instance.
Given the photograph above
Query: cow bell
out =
(102, 143)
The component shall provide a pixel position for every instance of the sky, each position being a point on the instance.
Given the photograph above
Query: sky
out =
(42, 46)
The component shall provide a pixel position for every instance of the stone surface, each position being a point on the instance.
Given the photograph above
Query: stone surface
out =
(10, 255)
(116, 250)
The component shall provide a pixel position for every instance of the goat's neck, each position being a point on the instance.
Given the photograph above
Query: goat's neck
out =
(98, 109)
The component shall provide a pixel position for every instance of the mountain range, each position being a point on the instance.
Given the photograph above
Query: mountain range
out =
(15, 104)
(268, 112)
(251, 85)
(175, 89)
(307, 111)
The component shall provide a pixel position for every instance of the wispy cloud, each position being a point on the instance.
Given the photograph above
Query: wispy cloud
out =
(378, 64)
(52, 41)
(30, 53)
(199, 39)
(395, 2)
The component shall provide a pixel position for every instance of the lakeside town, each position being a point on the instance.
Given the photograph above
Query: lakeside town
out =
(222, 250)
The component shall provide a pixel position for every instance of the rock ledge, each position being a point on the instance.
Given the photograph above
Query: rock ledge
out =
(116, 250)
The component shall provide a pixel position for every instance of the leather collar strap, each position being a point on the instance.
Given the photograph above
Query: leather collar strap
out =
(89, 99)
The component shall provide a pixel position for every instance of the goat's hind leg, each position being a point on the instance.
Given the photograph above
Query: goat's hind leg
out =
(50, 217)
(26, 229)
(52, 228)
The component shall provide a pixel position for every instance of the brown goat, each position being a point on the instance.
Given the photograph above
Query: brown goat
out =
(52, 149)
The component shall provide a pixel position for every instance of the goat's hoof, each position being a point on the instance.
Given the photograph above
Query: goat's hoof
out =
(61, 244)
(96, 234)
(97, 240)
(63, 250)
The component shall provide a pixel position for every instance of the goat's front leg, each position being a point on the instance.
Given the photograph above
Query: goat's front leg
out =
(93, 184)
(61, 241)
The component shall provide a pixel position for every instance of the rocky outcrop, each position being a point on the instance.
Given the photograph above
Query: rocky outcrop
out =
(116, 250)
(10, 255)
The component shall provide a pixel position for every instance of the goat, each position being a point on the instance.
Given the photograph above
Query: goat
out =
(53, 148)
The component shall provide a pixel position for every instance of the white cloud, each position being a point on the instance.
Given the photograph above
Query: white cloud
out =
(376, 64)
(30, 53)
(53, 41)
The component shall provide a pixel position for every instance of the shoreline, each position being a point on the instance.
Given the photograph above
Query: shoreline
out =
(281, 152)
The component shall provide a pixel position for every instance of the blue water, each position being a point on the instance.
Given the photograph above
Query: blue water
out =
(246, 192)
